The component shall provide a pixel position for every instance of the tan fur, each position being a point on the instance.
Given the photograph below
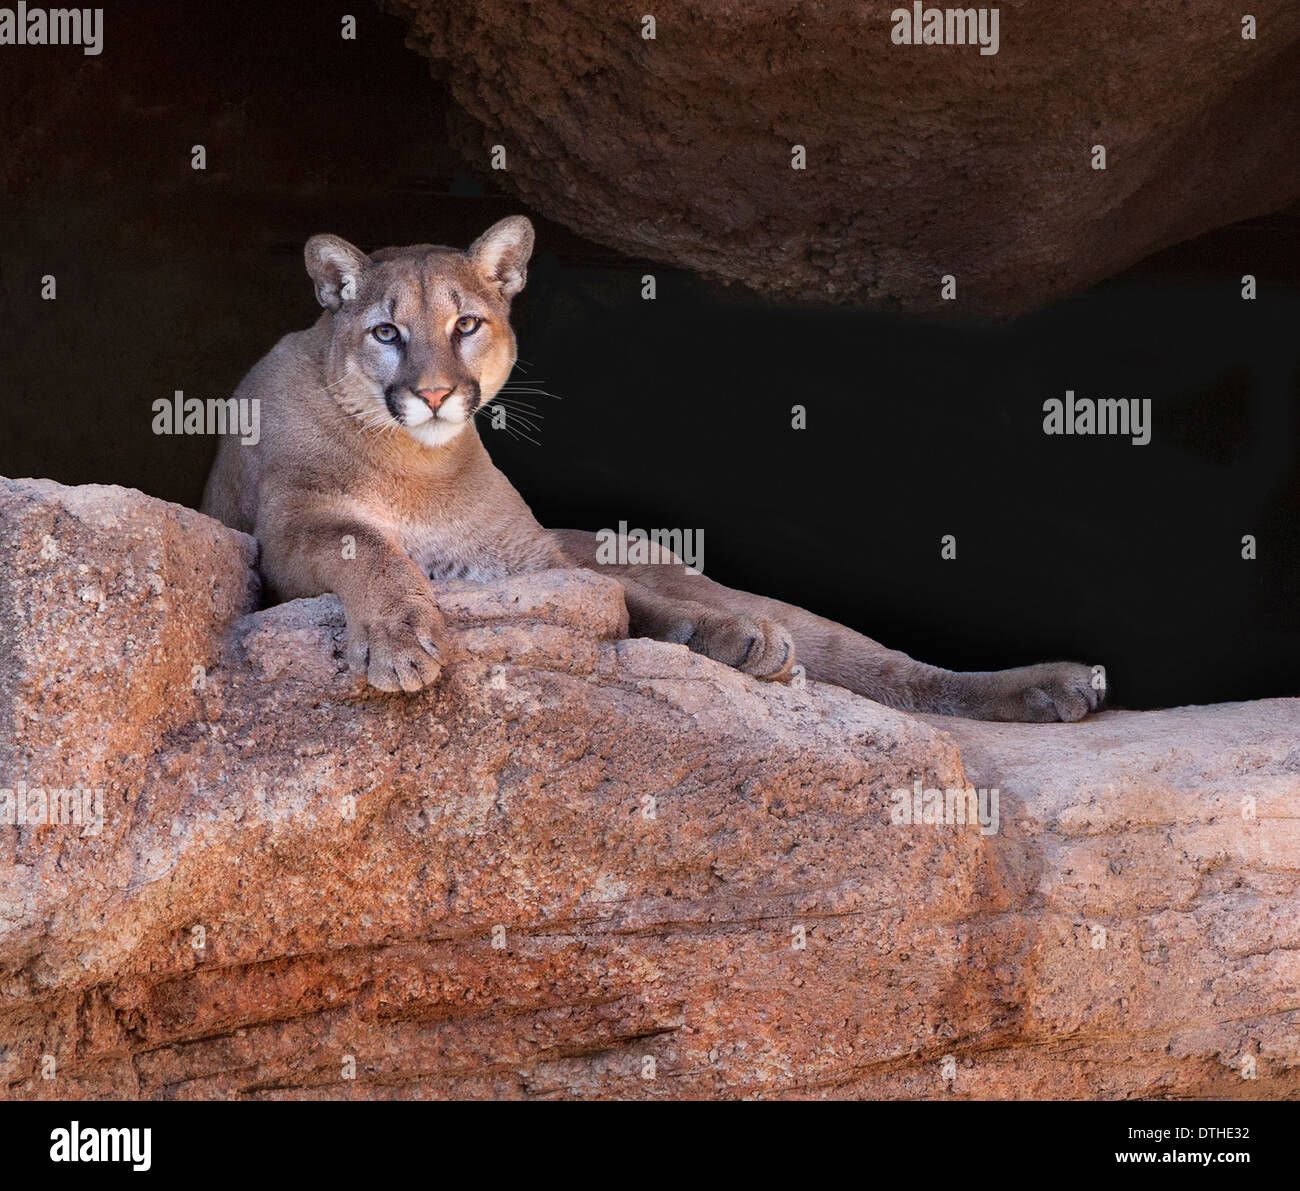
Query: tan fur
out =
(349, 492)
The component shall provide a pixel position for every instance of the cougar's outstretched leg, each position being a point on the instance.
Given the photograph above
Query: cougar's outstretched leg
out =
(756, 633)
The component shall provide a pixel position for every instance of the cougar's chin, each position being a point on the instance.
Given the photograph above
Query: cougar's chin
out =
(434, 432)
(424, 425)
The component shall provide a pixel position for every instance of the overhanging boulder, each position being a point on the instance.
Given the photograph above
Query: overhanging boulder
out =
(921, 160)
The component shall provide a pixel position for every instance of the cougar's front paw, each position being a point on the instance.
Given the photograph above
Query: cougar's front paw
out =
(400, 648)
(759, 647)
(1064, 691)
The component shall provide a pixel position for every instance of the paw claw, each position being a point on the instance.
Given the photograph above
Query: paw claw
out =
(399, 650)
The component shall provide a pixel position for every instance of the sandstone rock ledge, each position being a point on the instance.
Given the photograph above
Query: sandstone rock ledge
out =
(645, 834)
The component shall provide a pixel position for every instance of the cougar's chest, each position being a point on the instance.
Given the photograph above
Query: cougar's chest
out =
(460, 522)
(444, 569)
(453, 551)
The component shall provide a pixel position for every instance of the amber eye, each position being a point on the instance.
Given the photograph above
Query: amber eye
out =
(386, 333)
(467, 324)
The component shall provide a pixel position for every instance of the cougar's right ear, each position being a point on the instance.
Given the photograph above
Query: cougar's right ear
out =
(335, 267)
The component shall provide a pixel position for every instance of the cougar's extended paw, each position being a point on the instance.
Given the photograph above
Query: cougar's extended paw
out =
(400, 649)
(1064, 691)
(759, 647)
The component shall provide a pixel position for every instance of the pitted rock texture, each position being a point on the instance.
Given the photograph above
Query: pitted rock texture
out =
(583, 866)
(922, 161)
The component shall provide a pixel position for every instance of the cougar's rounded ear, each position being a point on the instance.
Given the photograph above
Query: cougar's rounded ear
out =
(500, 254)
(334, 266)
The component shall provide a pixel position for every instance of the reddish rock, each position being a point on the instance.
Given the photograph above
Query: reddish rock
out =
(921, 160)
(645, 834)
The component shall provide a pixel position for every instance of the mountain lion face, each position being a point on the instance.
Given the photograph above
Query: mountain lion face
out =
(421, 335)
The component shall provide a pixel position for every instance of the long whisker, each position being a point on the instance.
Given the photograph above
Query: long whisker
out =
(373, 420)
(528, 390)
(511, 428)
(520, 411)
(340, 380)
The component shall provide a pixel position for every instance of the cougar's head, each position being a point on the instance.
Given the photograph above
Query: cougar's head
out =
(421, 335)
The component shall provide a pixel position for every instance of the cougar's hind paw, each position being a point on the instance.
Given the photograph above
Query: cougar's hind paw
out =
(1064, 691)
(753, 645)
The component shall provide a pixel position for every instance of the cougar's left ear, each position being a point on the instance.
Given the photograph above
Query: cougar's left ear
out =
(501, 254)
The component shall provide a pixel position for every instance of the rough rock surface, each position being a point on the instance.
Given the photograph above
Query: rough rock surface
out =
(298, 884)
(921, 160)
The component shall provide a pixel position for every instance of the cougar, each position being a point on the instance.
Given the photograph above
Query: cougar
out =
(370, 479)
